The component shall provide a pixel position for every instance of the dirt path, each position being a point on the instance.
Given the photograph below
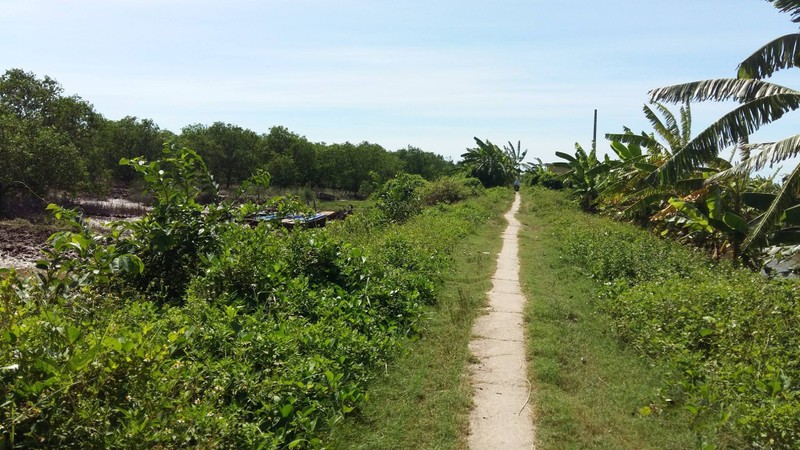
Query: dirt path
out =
(502, 416)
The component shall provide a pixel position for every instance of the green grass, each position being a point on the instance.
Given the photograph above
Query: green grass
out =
(589, 391)
(423, 399)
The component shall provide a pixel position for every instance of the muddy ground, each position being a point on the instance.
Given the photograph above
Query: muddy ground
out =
(21, 239)
(21, 242)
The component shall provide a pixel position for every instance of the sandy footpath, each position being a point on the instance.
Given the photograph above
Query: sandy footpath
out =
(502, 416)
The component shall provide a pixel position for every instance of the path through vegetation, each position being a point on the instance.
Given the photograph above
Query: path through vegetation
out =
(502, 415)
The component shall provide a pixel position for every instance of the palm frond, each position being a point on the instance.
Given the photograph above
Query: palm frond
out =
(566, 156)
(724, 175)
(719, 164)
(581, 153)
(728, 130)
(645, 200)
(768, 153)
(622, 150)
(788, 6)
(636, 139)
(721, 89)
(690, 184)
(686, 123)
(784, 199)
(660, 128)
(760, 201)
(672, 125)
(781, 53)
(671, 209)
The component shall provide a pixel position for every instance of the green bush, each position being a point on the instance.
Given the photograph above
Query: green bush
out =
(544, 178)
(399, 198)
(612, 252)
(269, 336)
(730, 335)
(449, 190)
(175, 239)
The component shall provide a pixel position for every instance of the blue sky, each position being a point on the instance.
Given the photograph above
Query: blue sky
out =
(432, 74)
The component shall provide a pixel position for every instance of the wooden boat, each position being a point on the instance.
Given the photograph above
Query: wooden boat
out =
(316, 220)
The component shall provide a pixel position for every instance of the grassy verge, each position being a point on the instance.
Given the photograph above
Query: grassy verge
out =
(590, 392)
(423, 399)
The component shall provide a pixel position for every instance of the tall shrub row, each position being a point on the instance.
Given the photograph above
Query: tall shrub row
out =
(264, 341)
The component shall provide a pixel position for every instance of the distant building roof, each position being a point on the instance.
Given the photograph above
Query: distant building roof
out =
(556, 169)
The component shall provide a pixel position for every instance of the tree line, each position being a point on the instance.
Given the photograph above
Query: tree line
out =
(51, 141)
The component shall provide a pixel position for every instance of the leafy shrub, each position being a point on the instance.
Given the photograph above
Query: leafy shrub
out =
(733, 339)
(180, 234)
(610, 252)
(399, 198)
(474, 184)
(79, 257)
(544, 178)
(447, 190)
(270, 337)
(729, 335)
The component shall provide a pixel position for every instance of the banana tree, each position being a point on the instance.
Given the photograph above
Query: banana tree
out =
(674, 132)
(787, 229)
(584, 175)
(623, 188)
(515, 157)
(640, 155)
(488, 163)
(712, 222)
(761, 103)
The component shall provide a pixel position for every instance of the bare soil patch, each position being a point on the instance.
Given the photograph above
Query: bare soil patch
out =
(22, 239)
(21, 242)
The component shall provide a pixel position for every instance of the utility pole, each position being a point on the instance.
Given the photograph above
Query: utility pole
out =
(594, 134)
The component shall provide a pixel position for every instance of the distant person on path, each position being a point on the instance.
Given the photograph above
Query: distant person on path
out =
(516, 185)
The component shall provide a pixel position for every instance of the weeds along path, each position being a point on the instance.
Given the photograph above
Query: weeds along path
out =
(502, 416)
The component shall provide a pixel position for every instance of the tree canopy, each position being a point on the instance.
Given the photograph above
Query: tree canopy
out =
(51, 141)
(43, 135)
